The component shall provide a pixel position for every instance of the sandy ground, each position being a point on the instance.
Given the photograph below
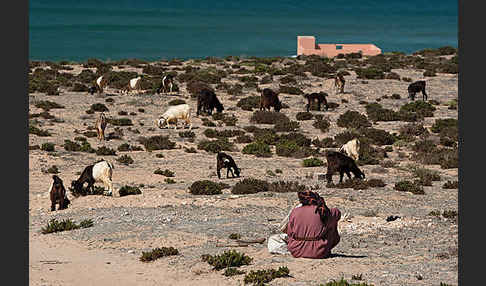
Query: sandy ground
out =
(417, 249)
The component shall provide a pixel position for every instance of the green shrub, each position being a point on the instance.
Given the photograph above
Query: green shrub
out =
(212, 133)
(230, 258)
(250, 186)
(157, 142)
(49, 147)
(324, 143)
(100, 107)
(243, 139)
(290, 90)
(312, 162)
(53, 170)
(343, 282)
(258, 149)
(129, 190)
(322, 124)
(103, 150)
(409, 131)
(370, 73)
(166, 172)
(378, 136)
(48, 105)
(451, 185)
(286, 126)
(407, 186)
(64, 225)
(301, 116)
(157, 253)
(443, 124)
(354, 183)
(119, 121)
(234, 236)
(376, 112)
(127, 147)
(268, 117)
(249, 102)
(353, 119)
(187, 134)
(290, 148)
(169, 181)
(260, 277)
(421, 108)
(125, 160)
(176, 102)
(39, 132)
(205, 187)
(286, 187)
(425, 176)
(75, 147)
(216, 146)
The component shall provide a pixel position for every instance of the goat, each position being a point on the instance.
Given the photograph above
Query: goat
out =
(99, 85)
(338, 162)
(418, 86)
(268, 99)
(207, 101)
(339, 83)
(224, 160)
(101, 171)
(181, 111)
(58, 194)
(351, 148)
(100, 126)
(320, 97)
(134, 85)
(167, 84)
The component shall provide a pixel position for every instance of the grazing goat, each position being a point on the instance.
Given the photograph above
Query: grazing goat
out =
(320, 97)
(224, 160)
(351, 148)
(134, 85)
(167, 84)
(100, 126)
(99, 85)
(268, 99)
(181, 111)
(58, 194)
(101, 171)
(339, 83)
(418, 86)
(338, 162)
(207, 101)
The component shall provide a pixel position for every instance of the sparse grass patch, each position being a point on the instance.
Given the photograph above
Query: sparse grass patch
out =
(268, 117)
(157, 253)
(119, 121)
(301, 116)
(215, 146)
(48, 105)
(232, 271)
(343, 282)
(49, 147)
(103, 150)
(353, 119)
(39, 132)
(99, 107)
(205, 187)
(249, 102)
(286, 126)
(286, 187)
(230, 258)
(419, 107)
(322, 124)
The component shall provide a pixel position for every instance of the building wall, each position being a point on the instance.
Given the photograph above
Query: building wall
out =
(306, 45)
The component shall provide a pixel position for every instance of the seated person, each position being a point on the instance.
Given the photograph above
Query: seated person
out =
(311, 231)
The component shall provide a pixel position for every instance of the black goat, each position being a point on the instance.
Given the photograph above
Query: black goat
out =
(58, 194)
(320, 97)
(418, 86)
(268, 99)
(207, 101)
(224, 160)
(338, 162)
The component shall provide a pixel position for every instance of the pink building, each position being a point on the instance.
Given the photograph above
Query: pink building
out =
(306, 45)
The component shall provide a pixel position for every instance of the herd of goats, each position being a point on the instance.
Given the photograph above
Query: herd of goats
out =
(102, 171)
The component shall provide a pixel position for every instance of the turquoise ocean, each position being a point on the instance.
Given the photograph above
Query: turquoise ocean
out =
(76, 30)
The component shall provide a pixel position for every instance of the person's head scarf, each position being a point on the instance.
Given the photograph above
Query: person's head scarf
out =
(313, 198)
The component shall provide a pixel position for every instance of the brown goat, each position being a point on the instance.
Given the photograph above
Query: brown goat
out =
(268, 99)
(338, 162)
(58, 194)
(339, 83)
(320, 97)
(100, 126)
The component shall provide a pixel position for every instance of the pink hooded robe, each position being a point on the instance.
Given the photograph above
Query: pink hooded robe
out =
(305, 223)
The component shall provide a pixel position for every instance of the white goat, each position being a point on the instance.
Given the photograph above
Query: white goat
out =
(134, 84)
(351, 148)
(181, 111)
(99, 172)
